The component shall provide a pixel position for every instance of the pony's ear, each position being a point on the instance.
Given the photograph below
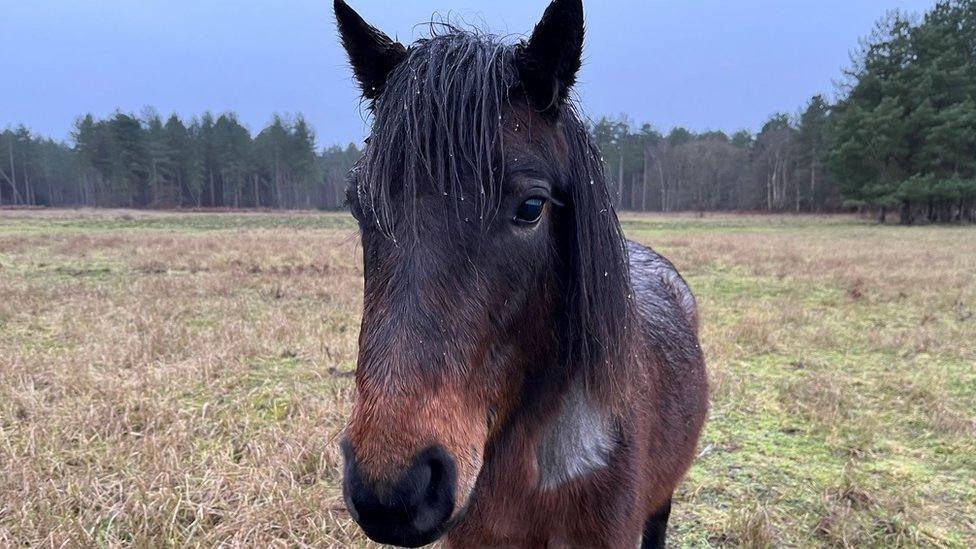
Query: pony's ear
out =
(549, 60)
(372, 54)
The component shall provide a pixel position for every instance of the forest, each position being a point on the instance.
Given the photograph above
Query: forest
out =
(899, 137)
(144, 162)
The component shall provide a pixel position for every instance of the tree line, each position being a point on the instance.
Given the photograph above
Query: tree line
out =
(146, 162)
(781, 168)
(901, 135)
(213, 161)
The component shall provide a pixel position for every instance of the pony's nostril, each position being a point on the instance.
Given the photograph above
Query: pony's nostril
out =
(438, 494)
(414, 510)
(436, 473)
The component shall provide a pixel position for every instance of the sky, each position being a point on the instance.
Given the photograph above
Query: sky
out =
(702, 64)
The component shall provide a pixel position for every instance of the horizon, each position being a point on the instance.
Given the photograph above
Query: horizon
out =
(704, 67)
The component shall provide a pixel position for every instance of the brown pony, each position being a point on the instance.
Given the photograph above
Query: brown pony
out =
(527, 377)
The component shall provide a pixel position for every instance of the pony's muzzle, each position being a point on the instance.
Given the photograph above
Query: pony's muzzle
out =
(414, 509)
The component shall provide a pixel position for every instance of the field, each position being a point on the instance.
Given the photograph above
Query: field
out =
(181, 379)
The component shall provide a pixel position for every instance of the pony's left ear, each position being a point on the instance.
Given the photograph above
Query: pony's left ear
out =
(372, 54)
(549, 60)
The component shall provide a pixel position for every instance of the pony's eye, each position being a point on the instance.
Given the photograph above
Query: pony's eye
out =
(530, 211)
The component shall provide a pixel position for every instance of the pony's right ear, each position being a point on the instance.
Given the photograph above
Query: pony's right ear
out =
(549, 60)
(372, 54)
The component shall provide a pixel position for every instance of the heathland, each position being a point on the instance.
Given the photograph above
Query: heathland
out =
(181, 379)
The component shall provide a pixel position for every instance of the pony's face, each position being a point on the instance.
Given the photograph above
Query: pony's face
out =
(454, 316)
(461, 201)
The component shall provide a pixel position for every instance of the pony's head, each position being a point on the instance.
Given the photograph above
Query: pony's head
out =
(493, 259)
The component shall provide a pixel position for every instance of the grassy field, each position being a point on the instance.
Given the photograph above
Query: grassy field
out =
(181, 379)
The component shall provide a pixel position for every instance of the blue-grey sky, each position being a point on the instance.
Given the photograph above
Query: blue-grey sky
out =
(704, 64)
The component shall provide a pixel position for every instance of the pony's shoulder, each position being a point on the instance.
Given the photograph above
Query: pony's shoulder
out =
(658, 286)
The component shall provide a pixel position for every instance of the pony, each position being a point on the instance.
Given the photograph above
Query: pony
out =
(526, 376)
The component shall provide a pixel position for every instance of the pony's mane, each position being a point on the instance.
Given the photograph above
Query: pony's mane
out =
(601, 311)
(439, 123)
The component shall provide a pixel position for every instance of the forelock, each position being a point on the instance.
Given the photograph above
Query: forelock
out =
(437, 128)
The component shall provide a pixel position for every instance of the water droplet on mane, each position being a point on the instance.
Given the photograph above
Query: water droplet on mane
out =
(606, 273)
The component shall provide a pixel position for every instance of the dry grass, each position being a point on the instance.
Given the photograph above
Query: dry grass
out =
(173, 380)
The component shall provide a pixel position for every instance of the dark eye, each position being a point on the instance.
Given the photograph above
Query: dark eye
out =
(530, 211)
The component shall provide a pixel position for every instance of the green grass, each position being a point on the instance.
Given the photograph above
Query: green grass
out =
(172, 379)
(831, 383)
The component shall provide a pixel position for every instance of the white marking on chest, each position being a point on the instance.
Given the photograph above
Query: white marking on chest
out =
(578, 441)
